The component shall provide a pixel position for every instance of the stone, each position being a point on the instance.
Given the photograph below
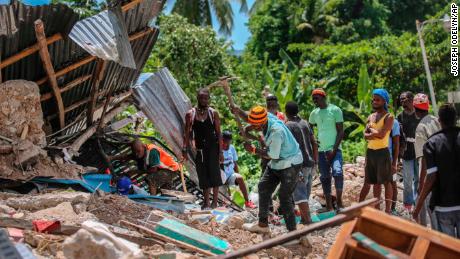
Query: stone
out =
(6, 209)
(63, 212)
(39, 202)
(280, 252)
(236, 222)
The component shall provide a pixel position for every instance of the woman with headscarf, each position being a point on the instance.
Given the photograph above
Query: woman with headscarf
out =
(378, 160)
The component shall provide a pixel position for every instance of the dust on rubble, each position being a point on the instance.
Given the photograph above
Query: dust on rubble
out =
(113, 208)
(21, 114)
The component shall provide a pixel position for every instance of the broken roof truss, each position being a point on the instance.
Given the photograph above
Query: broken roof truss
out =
(84, 68)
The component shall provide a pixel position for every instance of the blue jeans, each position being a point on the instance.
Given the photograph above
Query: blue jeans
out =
(449, 222)
(328, 170)
(303, 188)
(410, 180)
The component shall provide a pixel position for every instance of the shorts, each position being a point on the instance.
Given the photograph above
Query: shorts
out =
(208, 167)
(378, 166)
(231, 180)
(301, 191)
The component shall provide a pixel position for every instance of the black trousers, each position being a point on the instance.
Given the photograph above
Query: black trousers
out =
(271, 178)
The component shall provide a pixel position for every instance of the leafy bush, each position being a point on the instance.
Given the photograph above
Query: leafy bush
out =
(352, 149)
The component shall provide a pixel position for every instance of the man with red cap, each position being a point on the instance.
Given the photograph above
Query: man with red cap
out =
(427, 126)
(329, 120)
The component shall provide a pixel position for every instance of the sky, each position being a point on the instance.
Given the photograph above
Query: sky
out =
(240, 33)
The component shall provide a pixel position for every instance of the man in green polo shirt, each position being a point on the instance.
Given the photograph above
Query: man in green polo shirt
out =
(329, 120)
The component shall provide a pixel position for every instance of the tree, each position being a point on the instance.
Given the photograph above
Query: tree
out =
(83, 7)
(198, 12)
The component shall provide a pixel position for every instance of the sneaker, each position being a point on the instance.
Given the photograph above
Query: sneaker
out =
(250, 205)
(255, 228)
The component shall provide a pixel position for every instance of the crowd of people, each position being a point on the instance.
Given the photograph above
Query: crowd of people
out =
(423, 147)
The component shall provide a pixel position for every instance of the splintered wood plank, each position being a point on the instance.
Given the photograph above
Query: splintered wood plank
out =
(420, 248)
(47, 64)
(338, 249)
(97, 78)
(407, 228)
(67, 87)
(28, 51)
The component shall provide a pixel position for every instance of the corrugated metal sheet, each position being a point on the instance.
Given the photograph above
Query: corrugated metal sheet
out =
(60, 19)
(163, 101)
(104, 35)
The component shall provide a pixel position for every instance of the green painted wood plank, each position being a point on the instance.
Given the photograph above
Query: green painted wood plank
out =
(192, 236)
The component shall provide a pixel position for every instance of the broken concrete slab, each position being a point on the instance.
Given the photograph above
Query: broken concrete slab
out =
(63, 212)
(20, 106)
(39, 202)
(96, 239)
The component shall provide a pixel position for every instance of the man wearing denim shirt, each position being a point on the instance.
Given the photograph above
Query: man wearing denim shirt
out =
(285, 163)
(329, 120)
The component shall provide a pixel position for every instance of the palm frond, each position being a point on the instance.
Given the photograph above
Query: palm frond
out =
(224, 15)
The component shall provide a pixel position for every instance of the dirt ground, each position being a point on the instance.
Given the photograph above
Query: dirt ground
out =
(113, 208)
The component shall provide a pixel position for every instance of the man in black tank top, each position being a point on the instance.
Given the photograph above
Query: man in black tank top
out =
(202, 130)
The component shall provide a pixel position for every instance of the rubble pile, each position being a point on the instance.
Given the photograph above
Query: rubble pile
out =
(22, 136)
(93, 224)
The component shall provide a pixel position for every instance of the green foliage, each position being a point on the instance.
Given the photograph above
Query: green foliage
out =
(198, 12)
(352, 149)
(193, 54)
(83, 7)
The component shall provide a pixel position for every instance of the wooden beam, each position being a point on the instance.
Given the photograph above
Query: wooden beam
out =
(68, 69)
(28, 51)
(46, 60)
(140, 34)
(130, 5)
(73, 149)
(97, 77)
(34, 48)
(344, 215)
(67, 87)
(86, 60)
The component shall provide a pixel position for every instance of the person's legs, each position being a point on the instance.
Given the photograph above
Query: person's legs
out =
(377, 190)
(325, 178)
(241, 184)
(206, 198)
(388, 196)
(267, 186)
(394, 189)
(288, 178)
(309, 181)
(300, 195)
(215, 197)
(447, 223)
(409, 172)
(337, 173)
(364, 192)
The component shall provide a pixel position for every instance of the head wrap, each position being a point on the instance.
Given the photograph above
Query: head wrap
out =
(124, 185)
(384, 94)
(258, 115)
(421, 102)
(319, 91)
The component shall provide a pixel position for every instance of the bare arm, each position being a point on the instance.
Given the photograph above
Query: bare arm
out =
(340, 133)
(387, 126)
(422, 175)
(218, 132)
(426, 189)
(186, 143)
(236, 168)
(240, 112)
(395, 150)
(314, 146)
